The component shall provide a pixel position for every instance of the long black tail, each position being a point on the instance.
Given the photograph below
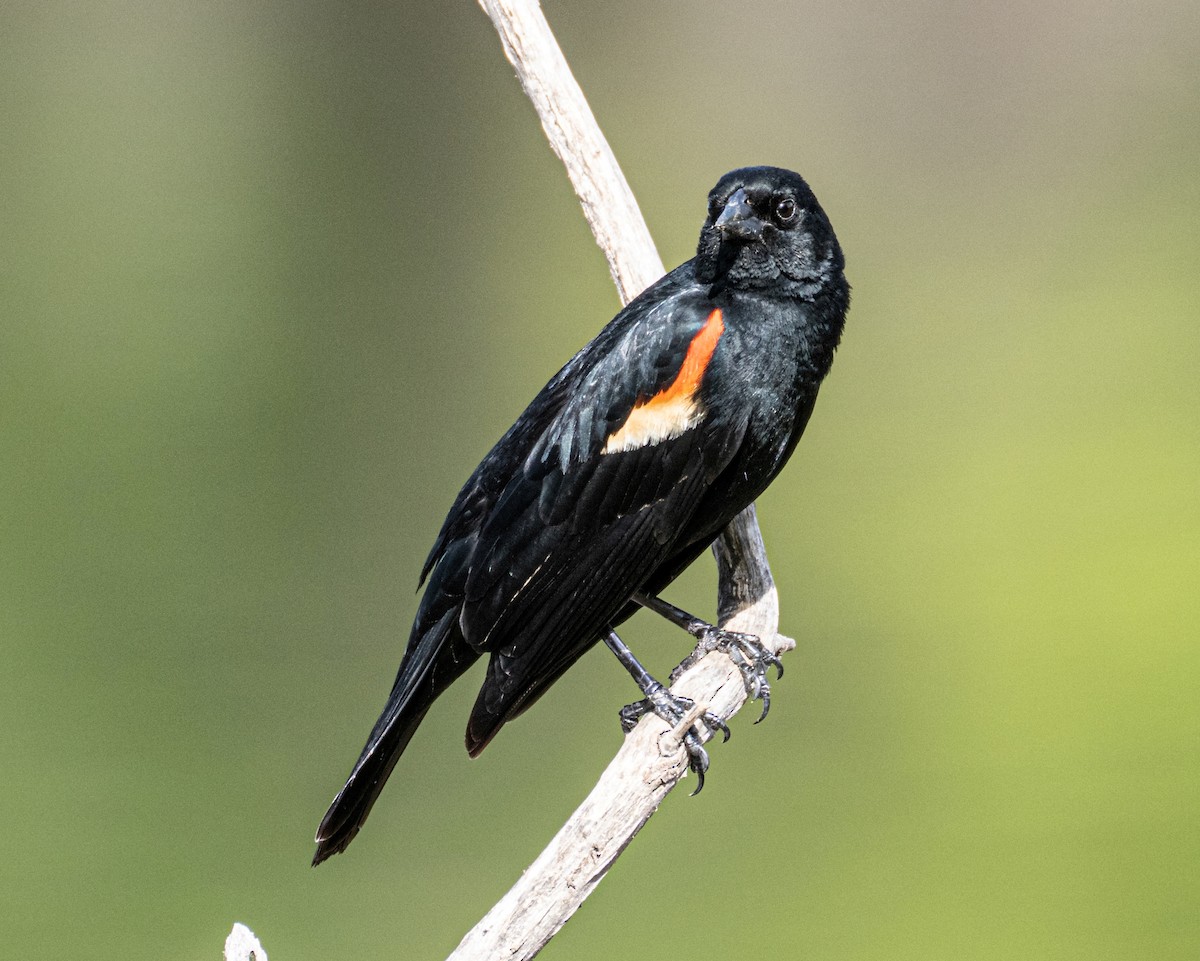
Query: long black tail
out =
(429, 666)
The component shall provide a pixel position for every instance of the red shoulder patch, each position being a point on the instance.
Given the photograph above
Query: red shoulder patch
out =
(673, 409)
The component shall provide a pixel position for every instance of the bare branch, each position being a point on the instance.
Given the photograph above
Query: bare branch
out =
(575, 137)
(242, 945)
(652, 760)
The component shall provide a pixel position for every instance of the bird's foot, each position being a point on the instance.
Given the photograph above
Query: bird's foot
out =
(747, 651)
(674, 709)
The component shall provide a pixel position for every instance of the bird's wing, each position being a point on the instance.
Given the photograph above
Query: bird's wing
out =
(485, 485)
(636, 347)
(596, 505)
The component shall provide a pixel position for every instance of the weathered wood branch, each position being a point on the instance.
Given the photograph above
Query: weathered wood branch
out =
(242, 945)
(608, 203)
(651, 760)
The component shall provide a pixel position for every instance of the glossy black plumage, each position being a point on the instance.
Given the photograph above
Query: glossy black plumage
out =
(622, 470)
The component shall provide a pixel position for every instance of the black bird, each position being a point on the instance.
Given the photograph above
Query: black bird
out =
(621, 472)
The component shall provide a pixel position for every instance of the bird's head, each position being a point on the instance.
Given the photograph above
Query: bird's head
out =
(766, 229)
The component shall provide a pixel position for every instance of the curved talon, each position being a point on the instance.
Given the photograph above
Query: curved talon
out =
(716, 724)
(765, 695)
(697, 760)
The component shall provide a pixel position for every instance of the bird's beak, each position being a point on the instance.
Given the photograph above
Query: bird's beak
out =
(738, 219)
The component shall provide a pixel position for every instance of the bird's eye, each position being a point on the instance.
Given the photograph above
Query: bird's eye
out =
(785, 211)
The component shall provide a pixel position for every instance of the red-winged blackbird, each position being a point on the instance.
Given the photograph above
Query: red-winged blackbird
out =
(622, 470)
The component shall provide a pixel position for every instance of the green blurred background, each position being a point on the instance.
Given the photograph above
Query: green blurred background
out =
(273, 276)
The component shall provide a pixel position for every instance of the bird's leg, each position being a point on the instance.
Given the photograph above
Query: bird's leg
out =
(670, 707)
(745, 650)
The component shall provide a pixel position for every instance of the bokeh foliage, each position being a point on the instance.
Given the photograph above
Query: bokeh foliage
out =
(273, 277)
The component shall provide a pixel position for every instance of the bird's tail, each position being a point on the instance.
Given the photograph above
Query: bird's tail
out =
(440, 656)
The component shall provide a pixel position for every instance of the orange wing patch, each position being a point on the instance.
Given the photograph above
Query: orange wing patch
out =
(673, 409)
